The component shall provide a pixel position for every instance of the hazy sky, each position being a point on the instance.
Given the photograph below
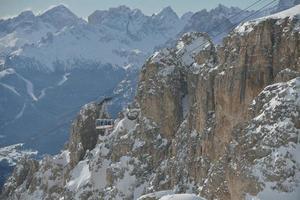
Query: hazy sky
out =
(83, 8)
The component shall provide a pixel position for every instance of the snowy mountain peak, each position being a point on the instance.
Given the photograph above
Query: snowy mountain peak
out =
(27, 14)
(221, 7)
(59, 16)
(167, 12)
(116, 17)
(186, 16)
(122, 9)
(224, 9)
(57, 10)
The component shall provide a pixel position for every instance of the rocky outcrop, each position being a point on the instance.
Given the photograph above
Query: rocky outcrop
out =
(23, 172)
(222, 123)
(84, 134)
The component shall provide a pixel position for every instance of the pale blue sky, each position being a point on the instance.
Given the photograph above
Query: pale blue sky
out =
(83, 8)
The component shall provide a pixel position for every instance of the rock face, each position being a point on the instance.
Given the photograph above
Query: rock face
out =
(84, 135)
(219, 122)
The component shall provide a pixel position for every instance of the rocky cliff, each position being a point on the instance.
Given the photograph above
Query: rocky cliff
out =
(220, 122)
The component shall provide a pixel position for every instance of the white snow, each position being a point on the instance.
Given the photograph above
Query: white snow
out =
(6, 72)
(127, 181)
(248, 26)
(80, 176)
(20, 114)
(181, 197)
(64, 79)
(98, 177)
(187, 52)
(124, 125)
(291, 12)
(10, 88)
(14, 153)
(63, 158)
(284, 159)
(29, 87)
(157, 194)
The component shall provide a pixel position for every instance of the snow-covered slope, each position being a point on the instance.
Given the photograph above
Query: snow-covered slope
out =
(27, 28)
(120, 36)
(13, 153)
(290, 14)
(9, 157)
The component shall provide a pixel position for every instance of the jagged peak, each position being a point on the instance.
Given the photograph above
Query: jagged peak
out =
(56, 8)
(59, 16)
(167, 11)
(187, 15)
(225, 9)
(221, 6)
(58, 11)
(97, 16)
(26, 14)
(187, 47)
(121, 8)
(200, 13)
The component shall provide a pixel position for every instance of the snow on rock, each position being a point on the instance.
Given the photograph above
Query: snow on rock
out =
(279, 170)
(156, 195)
(181, 197)
(63, 158)
(13, 153)
(184, 54)
(80, 176)
(6, 72)
(248, 26)
(290, 13)
(190, 45)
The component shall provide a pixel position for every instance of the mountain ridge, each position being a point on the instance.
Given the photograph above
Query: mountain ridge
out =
(220, 122)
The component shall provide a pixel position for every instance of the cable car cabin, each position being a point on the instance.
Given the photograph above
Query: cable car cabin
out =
(103, 124)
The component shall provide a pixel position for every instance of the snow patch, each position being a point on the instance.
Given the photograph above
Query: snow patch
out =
(64, 79)
(10, 88)
(156, 195)
(20, 114)
(29, 87)
(80, 176)
(248, 26)
(6, 72)
(181, 197)
(13, 153)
